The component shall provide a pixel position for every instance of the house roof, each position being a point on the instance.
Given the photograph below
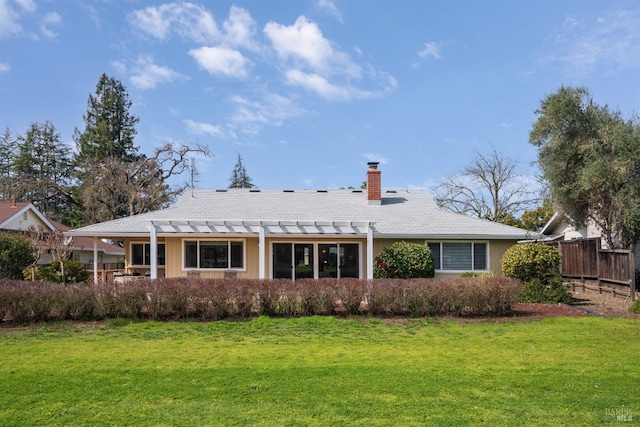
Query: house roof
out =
(401, 214)
(11, 210)
(86, 243)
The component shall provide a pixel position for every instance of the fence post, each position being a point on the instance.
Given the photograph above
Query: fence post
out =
(632, 280)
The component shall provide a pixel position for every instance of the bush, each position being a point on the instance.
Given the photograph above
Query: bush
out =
(526, 261)
(202, 299)
(16, 254)
(404, 260)
(635, 307)
(545, 291)
(73, 270)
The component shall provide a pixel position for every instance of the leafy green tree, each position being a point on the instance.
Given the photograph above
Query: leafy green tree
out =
(239, 177)
(42, 170)
(16, 254)
(590, 156)
(110, 128)
(404, 260)
(490, 188)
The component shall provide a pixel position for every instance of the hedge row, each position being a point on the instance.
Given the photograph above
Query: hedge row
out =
(199, 299)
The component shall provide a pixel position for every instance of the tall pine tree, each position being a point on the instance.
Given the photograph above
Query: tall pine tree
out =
(42, 170)
(110, 128)
(239, 177)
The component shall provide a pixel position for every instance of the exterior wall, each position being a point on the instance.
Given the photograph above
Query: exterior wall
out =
(497, 248)
(174, 254)
(20, 223)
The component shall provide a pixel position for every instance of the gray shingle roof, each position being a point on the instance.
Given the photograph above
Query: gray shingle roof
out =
(402, 214)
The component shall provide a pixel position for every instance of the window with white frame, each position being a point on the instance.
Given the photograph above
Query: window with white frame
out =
(214, 254)
(459, 256)
(141, 254)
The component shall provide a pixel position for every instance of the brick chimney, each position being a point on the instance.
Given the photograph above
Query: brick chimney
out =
(374, 189)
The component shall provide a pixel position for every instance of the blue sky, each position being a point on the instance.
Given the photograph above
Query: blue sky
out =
(309, 91)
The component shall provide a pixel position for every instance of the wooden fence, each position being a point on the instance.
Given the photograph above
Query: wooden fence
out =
(586, 265)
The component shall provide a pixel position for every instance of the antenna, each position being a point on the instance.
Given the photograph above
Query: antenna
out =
(194, 174)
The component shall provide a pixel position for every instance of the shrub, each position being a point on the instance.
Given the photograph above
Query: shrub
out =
(528, 261)
(16, 254)
(545, 290)
(404, 260)
(73, 270)
(201, 299)
(635, 307)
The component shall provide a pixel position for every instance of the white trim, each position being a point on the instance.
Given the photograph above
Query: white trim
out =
(369, 253)
(95, 261)
(153, 252)
(261, 254)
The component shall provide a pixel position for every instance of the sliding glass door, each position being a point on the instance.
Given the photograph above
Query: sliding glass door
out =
(293, 261)
(310, 260)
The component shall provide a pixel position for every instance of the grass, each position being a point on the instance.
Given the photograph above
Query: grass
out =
(321, 371)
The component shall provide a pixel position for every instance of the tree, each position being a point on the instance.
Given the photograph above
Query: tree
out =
(16, 254)
(8, 144)
(110, 128)
(114, 189)
(239, 177)
(489, 188)
(590, 157)
(42, 170)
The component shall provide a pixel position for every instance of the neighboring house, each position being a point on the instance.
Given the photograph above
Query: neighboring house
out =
(292, 234)
(22, 216)
(560, 227)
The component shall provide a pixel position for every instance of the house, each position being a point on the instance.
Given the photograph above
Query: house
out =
(23, 216)
(293, 234)
(560, 227)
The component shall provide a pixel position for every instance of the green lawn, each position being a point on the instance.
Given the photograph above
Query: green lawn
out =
(322, 371)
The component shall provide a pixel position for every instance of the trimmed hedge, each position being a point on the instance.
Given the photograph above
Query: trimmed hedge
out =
(200, 299)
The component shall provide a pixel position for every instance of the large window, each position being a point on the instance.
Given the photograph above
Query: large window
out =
(214, 254)
(141, 254)
(459, 256)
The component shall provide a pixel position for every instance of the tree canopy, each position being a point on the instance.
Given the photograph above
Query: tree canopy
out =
(590, 156)
(490, 187)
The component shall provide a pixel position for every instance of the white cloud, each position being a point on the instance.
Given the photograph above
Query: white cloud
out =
(148, 75)
(10, 14)
(271, 109)
(4, 68)
(430, 49)
(311, 62)
(303, 41)
(221, 61)
(201, 128)
(338, 92)
(184, 19)
(604, 44)
(240, 29)
(48, 23)
(329, 7)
